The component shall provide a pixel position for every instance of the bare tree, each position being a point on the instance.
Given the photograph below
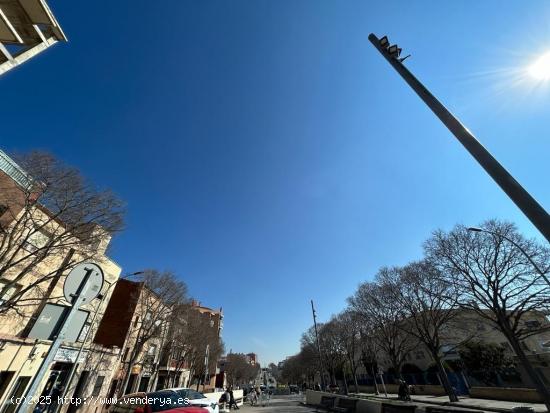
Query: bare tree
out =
(159, 294)
(368, 350)
(377, 305)
(238, 370)
(498, 282)
(49, 212)
(429, 306)
(348, 324)
(334, 352)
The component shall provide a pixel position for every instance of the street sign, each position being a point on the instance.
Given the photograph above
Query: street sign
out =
(75, 278)
(69, 355)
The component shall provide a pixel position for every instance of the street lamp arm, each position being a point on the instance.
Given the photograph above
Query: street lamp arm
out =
(515, 244)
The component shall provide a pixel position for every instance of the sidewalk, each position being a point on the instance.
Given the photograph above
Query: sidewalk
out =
(464, 402)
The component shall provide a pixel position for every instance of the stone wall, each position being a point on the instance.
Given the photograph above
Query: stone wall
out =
(506, 393)
(363, 405)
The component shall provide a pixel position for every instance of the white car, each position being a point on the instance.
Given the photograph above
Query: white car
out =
(198, 399)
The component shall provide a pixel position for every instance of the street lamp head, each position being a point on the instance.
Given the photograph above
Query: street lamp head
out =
(384, 42)
(475, 229)
(394, 51)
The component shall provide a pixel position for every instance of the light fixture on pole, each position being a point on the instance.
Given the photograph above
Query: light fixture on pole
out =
(515, 244)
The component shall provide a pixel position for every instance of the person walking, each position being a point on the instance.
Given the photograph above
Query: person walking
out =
(403, 391)
(232, 402)
(252, 397)
(227, 400)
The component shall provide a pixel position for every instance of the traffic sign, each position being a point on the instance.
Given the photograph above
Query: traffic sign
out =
(75, 278)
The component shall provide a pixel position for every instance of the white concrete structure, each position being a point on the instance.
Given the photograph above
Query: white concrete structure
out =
(27, 27)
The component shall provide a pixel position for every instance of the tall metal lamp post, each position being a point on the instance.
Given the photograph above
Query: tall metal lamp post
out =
(321, 368)
(524, 201)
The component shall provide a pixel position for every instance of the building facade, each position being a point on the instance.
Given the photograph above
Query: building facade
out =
(28, 327)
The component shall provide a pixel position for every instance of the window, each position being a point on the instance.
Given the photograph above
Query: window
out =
(98, 385)
(152, 350)
(125, 357)
(136, 321)
(83, 333)
(532, 324)
(9, 293)
(448, 349)
(36, 240)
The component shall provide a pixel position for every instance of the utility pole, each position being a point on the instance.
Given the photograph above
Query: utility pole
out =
(318, 347)
(206, 372)
(523, 200)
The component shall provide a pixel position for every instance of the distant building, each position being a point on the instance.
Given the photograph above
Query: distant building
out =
(215, 317)
(129, 318)
(252, 358)
(27, 28)
(468, 325)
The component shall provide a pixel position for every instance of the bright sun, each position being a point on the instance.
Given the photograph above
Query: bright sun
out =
(540, 70)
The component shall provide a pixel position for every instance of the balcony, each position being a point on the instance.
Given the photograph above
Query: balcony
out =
(14, 171)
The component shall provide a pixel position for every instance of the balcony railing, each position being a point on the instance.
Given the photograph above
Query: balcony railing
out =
(14, 171)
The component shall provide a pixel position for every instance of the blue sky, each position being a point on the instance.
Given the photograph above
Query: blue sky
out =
(269, 155)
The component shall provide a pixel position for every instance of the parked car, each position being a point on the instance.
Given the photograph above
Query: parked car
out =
(294, 389)
(198, 399)
(153, 402)
(333, 388)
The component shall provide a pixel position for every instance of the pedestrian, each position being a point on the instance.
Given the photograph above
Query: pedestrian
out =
(403, 391)
(227, 399)
(232, 402)
(252, 397)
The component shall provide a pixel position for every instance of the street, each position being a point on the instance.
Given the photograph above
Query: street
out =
(281, 404)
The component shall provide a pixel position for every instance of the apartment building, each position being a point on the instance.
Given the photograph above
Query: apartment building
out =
(136, 322)
(28, 326)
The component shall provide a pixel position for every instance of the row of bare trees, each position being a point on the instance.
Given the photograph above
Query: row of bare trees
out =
(238, 369)
(169, 331)
(433, 303)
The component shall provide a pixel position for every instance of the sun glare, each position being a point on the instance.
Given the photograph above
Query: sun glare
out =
(540, 70)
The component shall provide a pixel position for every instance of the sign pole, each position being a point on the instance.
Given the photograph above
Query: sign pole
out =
(78, 299)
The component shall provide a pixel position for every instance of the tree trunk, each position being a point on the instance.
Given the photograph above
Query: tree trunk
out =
(376, 391)
(444, 378)
(135, 353)
(353, 371)
(531, 372)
